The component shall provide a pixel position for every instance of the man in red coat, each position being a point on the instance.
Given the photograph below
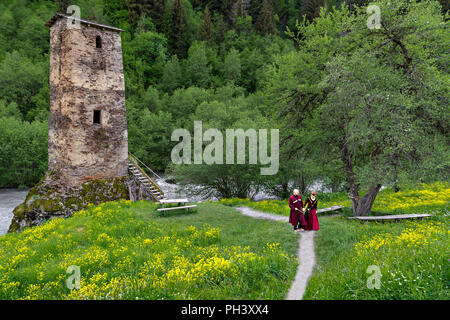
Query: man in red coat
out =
(296, 216)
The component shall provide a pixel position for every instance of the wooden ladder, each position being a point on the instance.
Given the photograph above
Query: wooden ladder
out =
(139, 174)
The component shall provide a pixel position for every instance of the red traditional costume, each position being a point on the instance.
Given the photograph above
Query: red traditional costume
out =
(295, 201)
(313, 222)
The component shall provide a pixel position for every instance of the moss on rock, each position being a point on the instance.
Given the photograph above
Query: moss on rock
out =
(50, 198)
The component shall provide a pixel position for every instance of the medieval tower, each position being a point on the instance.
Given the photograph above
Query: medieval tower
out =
(88, 126)
(88, 158)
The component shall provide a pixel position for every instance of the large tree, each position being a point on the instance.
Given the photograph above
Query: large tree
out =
(376, 100)
(198, 71)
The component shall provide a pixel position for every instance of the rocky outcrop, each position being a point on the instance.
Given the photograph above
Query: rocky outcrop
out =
(51, 198)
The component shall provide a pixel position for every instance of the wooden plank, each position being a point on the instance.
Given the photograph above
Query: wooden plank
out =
(177, 208)
(173, 201)
(392, 217)
(333, 208)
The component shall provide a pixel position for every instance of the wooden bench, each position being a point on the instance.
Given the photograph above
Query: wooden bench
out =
(392, 217)
(180, 203)
(333, 208)
(178, 208)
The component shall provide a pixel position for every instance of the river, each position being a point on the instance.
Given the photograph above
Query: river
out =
(9, 199)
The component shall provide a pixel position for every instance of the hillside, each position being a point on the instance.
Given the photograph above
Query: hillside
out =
(129, 251)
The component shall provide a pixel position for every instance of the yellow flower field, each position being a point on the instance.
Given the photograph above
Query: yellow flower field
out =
(417, 234)
(422, 195)
(123, 257)
(411, 259)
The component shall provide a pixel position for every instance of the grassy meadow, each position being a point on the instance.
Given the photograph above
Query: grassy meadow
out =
(412, 256)
(129, 251)
(418, 198)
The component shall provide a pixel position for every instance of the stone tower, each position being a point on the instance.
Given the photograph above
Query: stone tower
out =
(88, 137)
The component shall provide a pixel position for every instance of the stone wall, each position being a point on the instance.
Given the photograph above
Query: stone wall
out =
(84, 78)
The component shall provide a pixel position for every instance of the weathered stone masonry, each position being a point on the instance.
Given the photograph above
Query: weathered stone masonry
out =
(87, 139)
(84, 78)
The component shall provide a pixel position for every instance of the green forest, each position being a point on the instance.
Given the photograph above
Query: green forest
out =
(357, 108)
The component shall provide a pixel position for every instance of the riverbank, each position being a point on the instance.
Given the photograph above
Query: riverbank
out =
(9, 199)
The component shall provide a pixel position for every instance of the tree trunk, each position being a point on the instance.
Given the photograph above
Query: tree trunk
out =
(301, 183)
(348, 167)
(363, 206)
(285, 192)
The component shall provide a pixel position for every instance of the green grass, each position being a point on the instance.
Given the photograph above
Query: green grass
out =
(412, 258)
(414, 198)
(128, 250)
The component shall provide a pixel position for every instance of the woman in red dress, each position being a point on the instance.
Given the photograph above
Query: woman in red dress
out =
(311, 205)
(296, 217)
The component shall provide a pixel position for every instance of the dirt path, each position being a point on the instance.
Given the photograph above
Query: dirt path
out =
(306, 253)
(307, 259)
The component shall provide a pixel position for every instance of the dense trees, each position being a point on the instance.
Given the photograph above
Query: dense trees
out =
(265, 22)
(206, 28)
(311, 9)
(21, 81)
(23, 149)
(369, 99)
(231, 64)
(178, 32)
(147, 8)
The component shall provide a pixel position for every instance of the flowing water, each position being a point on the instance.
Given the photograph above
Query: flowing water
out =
(9, 199)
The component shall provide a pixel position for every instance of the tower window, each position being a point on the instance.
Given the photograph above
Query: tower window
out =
(97, 116)
(98, 42)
